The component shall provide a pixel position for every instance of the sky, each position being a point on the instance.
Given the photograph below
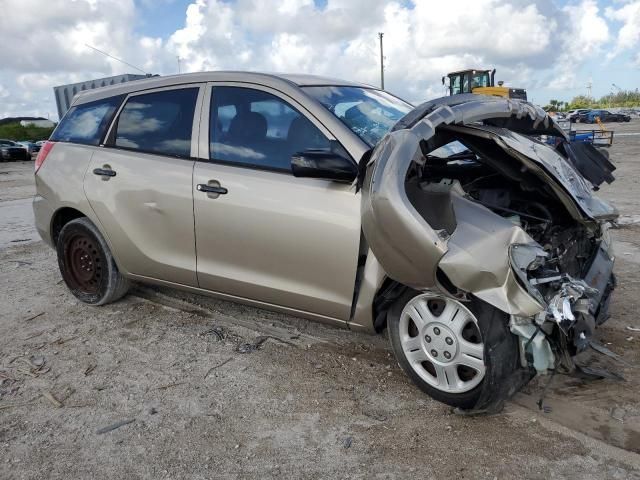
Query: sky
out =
(552, 48)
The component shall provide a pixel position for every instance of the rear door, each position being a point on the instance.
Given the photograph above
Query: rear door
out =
(139, 184)
(262, 233)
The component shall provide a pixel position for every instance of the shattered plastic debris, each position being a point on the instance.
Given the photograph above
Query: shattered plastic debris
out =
(251, 347)
(592, 373)
(605, 351)
(569, 293)
(114, 426)
(216, 331)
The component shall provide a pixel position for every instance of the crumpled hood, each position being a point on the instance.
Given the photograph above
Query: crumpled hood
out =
(506, 122)
(516, 115)
(546, 162)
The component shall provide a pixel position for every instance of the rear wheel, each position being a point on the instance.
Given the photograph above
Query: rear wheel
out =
(459, 354)
(86, 264)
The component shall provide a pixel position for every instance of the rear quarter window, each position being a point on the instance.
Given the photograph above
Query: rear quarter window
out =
(158, 122)
(87, 123)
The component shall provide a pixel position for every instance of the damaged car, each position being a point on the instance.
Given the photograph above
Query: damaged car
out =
(456, 226)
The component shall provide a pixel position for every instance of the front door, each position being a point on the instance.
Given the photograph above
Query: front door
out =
(261, 233)
(139, 184)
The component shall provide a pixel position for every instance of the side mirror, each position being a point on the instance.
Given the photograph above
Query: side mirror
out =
(323, 164)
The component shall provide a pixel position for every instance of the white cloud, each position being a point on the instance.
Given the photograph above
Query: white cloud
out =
(533, 44)
(629, 33)
(585, 37)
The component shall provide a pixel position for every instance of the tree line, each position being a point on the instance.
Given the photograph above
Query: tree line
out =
(15, 131)
(621, 99)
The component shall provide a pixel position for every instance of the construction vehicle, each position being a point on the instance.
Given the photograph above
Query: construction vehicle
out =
(481, 82)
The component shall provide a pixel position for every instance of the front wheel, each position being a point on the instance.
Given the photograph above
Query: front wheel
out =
(86, 264)
(460, 354)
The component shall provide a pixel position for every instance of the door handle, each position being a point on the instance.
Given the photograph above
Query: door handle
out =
(104, 172)
(216, 189)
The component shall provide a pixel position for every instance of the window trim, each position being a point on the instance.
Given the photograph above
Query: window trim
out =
(109, 139)
(205, 115)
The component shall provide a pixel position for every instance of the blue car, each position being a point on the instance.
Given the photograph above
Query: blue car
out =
(604, 115)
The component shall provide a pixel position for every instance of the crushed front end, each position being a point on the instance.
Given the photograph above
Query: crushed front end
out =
(486, 197)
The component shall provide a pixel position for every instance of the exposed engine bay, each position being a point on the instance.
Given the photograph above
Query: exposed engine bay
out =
(490, 199)
(568, 247)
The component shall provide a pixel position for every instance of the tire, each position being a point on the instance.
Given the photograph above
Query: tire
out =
(485, 334)
(87, 265)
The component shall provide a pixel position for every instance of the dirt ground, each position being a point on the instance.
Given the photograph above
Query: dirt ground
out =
(310, 402)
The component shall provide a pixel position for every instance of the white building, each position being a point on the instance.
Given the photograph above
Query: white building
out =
(64, 93)
(43, 123)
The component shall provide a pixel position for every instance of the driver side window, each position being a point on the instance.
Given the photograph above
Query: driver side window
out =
(253, 128)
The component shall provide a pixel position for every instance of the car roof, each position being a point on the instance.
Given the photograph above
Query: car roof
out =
(281, 81)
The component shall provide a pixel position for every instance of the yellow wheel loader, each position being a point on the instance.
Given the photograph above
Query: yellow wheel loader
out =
(481, 82)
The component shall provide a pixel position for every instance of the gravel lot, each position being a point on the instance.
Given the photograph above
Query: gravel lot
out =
(311, 402)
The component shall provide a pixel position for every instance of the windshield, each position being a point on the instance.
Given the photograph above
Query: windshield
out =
(480, 79)
(369, 113)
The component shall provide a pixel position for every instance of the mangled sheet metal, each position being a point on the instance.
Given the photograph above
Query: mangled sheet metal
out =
(430, 231)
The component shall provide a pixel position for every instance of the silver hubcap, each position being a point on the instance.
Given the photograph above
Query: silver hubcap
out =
(442, 343)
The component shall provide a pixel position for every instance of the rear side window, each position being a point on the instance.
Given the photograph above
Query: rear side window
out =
(159, 122)
(87, 123)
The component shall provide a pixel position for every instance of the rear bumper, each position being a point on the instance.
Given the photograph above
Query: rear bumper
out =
(43, 213)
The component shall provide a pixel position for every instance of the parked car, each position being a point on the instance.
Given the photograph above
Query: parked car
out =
(603, 115)
(31, 147)
(573, 115)
(341, 203)
(10, 150)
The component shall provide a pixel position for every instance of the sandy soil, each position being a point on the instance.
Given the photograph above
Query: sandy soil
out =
(311, 402)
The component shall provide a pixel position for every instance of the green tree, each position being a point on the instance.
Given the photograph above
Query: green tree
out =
(581, 101)
(15, 131)
(623, 98)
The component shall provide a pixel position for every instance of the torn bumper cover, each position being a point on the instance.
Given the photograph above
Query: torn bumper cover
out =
(452, 243)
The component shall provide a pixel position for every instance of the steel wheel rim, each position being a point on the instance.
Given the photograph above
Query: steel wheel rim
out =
(441, 341)
(84, 264)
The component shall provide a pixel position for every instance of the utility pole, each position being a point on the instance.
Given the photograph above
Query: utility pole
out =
(381, 62)
(178, 57)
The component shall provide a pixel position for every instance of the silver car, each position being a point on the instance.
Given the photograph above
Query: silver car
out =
(478, 246)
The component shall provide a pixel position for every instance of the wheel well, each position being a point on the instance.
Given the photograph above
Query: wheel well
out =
(388, 293)
(61, 218)
(391, 290)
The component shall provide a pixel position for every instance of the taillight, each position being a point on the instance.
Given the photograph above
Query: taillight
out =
(42, 154)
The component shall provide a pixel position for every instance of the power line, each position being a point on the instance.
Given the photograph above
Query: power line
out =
(116, 58)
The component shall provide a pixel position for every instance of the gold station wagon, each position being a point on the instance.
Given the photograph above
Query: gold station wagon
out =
(466, 227)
